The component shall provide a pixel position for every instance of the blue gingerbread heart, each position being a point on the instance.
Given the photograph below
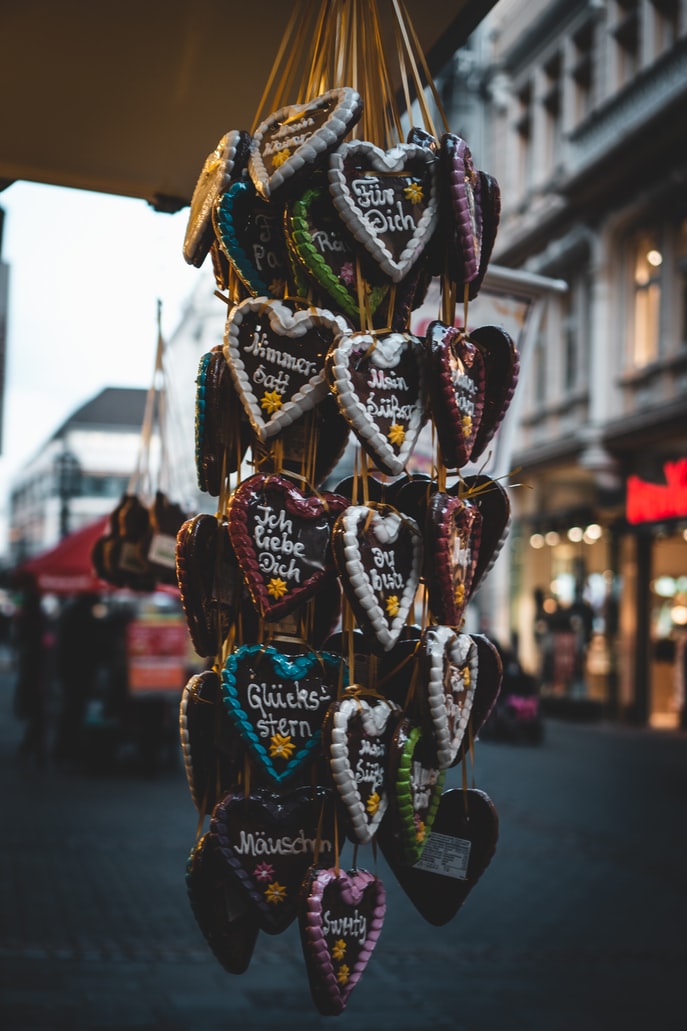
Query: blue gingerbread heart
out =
(250, 233)
(278, 702)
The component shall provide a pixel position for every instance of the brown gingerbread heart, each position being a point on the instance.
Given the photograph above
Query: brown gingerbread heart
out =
(456, 389)
(452, 541)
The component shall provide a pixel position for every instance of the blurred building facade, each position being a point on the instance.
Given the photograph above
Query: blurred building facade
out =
(583, 108)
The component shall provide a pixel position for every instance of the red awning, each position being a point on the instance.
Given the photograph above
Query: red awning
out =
(66, 568)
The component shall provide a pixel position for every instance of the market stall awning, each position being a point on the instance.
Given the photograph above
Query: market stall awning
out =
(129, 97)
(66, 568)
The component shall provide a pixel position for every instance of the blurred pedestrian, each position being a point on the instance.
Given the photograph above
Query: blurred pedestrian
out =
(78, 653)
(29, 632)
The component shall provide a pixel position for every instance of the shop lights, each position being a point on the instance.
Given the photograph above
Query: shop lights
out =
(537, 540)
(589, 534)
(575, 534)
(552, 538)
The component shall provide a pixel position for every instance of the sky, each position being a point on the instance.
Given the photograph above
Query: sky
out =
(86, 272)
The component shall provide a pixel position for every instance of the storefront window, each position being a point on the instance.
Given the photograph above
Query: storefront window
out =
(648, 262)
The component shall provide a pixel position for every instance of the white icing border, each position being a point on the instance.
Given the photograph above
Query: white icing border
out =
(462, 651)
(289, 325)
(394, 160)
(354, 410)
(340, 120)
(374, 719)
(350, 520)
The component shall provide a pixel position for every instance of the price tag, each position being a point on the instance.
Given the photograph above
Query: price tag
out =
(445, 855)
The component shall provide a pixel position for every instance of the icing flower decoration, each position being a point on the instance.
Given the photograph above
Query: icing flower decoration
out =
(271, 401)
(343, 973)
(466, 423)
(372, 804)
(347, 273)
(339, 949)
(282, 746)
(277, 287)
(467, 678)
(281, 157)
(420, 829)
(263, 872)
(459, 593)
(275, 893)
(397, 434)
(392, 605)
(277, 587)
(413, 192)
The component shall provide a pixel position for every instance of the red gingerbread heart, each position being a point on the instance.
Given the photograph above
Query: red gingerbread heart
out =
(276, 356)
(378, 380)
(269, 841)
(460, 847)
(210, 744)
(447, 683)
(452, 543)
(461, 186)
(281, 536)
(501, 361)
(340, 920)
(387, 200)
(210, 583)
(456, 390)
(491, 499)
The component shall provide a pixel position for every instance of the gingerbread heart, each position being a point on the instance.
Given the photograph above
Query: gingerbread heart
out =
(276, 356)
(396, 668)
(378, 380)
(452, 543)
(293, 140)
(315, 235)
(355, 734)
(251, 235)
(340, 921)
(448, 679)
(221, 166)
(281, 536)
(459, 849)
(278, 701)
(491, 499)
(209, 580)
(210, 745)
(224, 917)
(415, 789)
(387, 200)
(461, 184)
(456, 388)
(269, 841)
(490, 210)
(378, 554)
(487, 689)
(221, 433)
(501, 361)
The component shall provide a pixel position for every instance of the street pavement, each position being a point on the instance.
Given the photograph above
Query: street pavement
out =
(578, 924)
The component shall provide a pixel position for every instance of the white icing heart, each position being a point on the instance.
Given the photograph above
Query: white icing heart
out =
(450, 711)
(394, 237)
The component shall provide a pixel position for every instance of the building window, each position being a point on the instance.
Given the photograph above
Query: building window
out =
(648, 262)
(626, 33)
(666, 24)
(540, 367)
(552, 108)
(582, 71)
(523, 130)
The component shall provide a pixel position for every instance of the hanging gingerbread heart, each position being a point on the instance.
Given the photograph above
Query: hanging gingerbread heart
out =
(221, 429)
(415, 787)
(210, 745)
(461, 186)
(276, 355)
(226, 920)
(501, 361)
(378, 555)
(378, 380)
(355, 736)
(396, 668)
(250, 233)
(447, 682)
(459, 849)
(387, 200)
(487, 689)
(340, 920)
(281, 536)
(490, 497)
(294, 140)
(490, 213)
(452, 543)
(277, 701)
(224, 164)
(316, 236)
(456, 389)
(210, 582)
(269, 841)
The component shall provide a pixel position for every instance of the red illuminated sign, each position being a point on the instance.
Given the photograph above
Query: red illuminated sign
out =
(649, 502)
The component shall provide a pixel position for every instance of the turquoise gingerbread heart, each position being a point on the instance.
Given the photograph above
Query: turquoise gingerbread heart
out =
(250, 233)
(278, 702)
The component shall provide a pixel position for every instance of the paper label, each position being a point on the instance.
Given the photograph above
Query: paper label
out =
(162, 550)
(445, 855)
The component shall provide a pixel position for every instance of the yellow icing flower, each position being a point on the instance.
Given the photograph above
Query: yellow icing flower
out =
(281, 745)
(271, 401)
(466, 676)
(397, 434)
(280, 157)
(459, 593)
(339, 949)
(276, 287)
(413, 192)
(343, 973)
(275, 893)
(466, 423)
(420, 831)
(373, 803)
(277, 587)
(392, 605)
